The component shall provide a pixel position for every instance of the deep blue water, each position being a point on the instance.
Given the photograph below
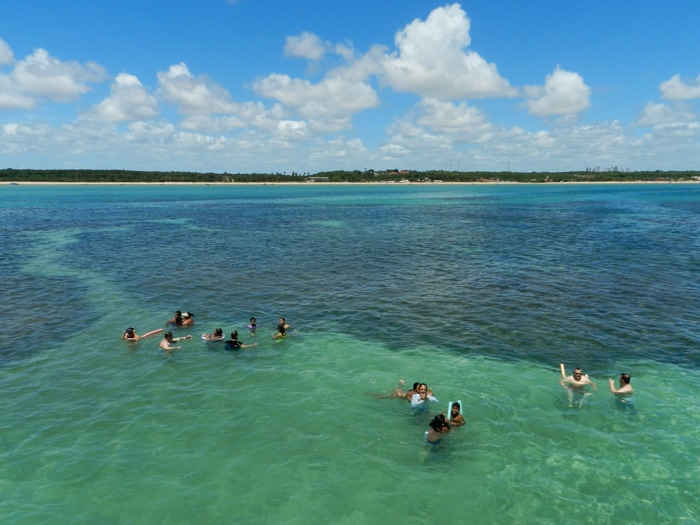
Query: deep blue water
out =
(481, 290)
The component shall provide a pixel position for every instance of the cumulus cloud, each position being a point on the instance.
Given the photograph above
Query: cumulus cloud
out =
(563, 93)
(661, 116)
(675, 89)
(43, 75)
(128, 101)
(431, 60)
(460, 121)
(330, 103)
(306, 45)
(6, 57)
(193, 95)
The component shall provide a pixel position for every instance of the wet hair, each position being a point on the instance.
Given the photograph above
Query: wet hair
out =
(218, 332)
(234, 335)
(253, 320)
(438, 423)
(456, 404)
(168, 335)
(416, 385)
(625, 378)
(129, 331)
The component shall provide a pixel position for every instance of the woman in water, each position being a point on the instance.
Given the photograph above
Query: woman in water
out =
(130, 335)
(235, 344)
(438, 427)
(281, 331)
(218, 335)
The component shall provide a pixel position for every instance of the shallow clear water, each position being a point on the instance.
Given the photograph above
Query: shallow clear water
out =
(480, 291)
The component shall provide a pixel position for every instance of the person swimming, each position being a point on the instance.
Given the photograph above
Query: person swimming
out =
(130, 335)
(218, 335)
(235, 344)
(438, 427)
(281, 331)
(419, 401)
(455, 418)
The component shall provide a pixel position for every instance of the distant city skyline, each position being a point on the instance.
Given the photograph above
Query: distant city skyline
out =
(261, 86)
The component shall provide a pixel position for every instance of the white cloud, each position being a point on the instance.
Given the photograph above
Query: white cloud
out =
(306, 45)
(563, 93)
(193, 95)
(128, 101)
(329, 104)
(42, 75)
(675, 89)
(431, 60)
(6, 57)
(661, 116)
(460, 121)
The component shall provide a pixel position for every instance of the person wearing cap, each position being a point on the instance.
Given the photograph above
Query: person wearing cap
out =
(187, 319)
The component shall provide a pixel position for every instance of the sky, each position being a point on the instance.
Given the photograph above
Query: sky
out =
(274, 86)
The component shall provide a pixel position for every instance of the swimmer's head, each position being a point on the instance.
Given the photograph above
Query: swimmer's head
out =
(455, 408)
(168, 335)
(577, 373)
(439, 424)
(625, 379)
(234, 334)
(218, 332)
(129, 332)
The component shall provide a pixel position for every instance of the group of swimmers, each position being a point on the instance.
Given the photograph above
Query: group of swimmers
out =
(419, 397)
(184, 319)
(576, 384)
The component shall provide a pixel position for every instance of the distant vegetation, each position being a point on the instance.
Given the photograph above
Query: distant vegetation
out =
(391, 175)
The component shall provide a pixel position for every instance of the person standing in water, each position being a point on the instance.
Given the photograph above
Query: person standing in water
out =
(130, 335)
(419, 401)
(235, 344)
(575, 385)
(167, 343)
(624, 393)
(455, 418)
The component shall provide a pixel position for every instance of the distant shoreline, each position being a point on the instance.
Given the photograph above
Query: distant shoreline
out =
(378, 183)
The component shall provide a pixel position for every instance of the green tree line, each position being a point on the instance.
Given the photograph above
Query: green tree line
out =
(389, 175)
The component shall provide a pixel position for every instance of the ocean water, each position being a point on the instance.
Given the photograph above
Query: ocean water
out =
(478, 290)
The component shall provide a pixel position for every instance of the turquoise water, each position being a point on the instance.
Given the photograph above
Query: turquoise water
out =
(480, 291)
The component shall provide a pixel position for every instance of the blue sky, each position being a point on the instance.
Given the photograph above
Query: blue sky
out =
(245, 86)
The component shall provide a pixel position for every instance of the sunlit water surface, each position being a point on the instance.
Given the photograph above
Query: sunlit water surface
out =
(480, 291)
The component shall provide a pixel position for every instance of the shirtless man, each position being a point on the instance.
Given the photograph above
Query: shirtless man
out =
(167, 343)
(624, 393)
(575, 385)
(576, 380)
